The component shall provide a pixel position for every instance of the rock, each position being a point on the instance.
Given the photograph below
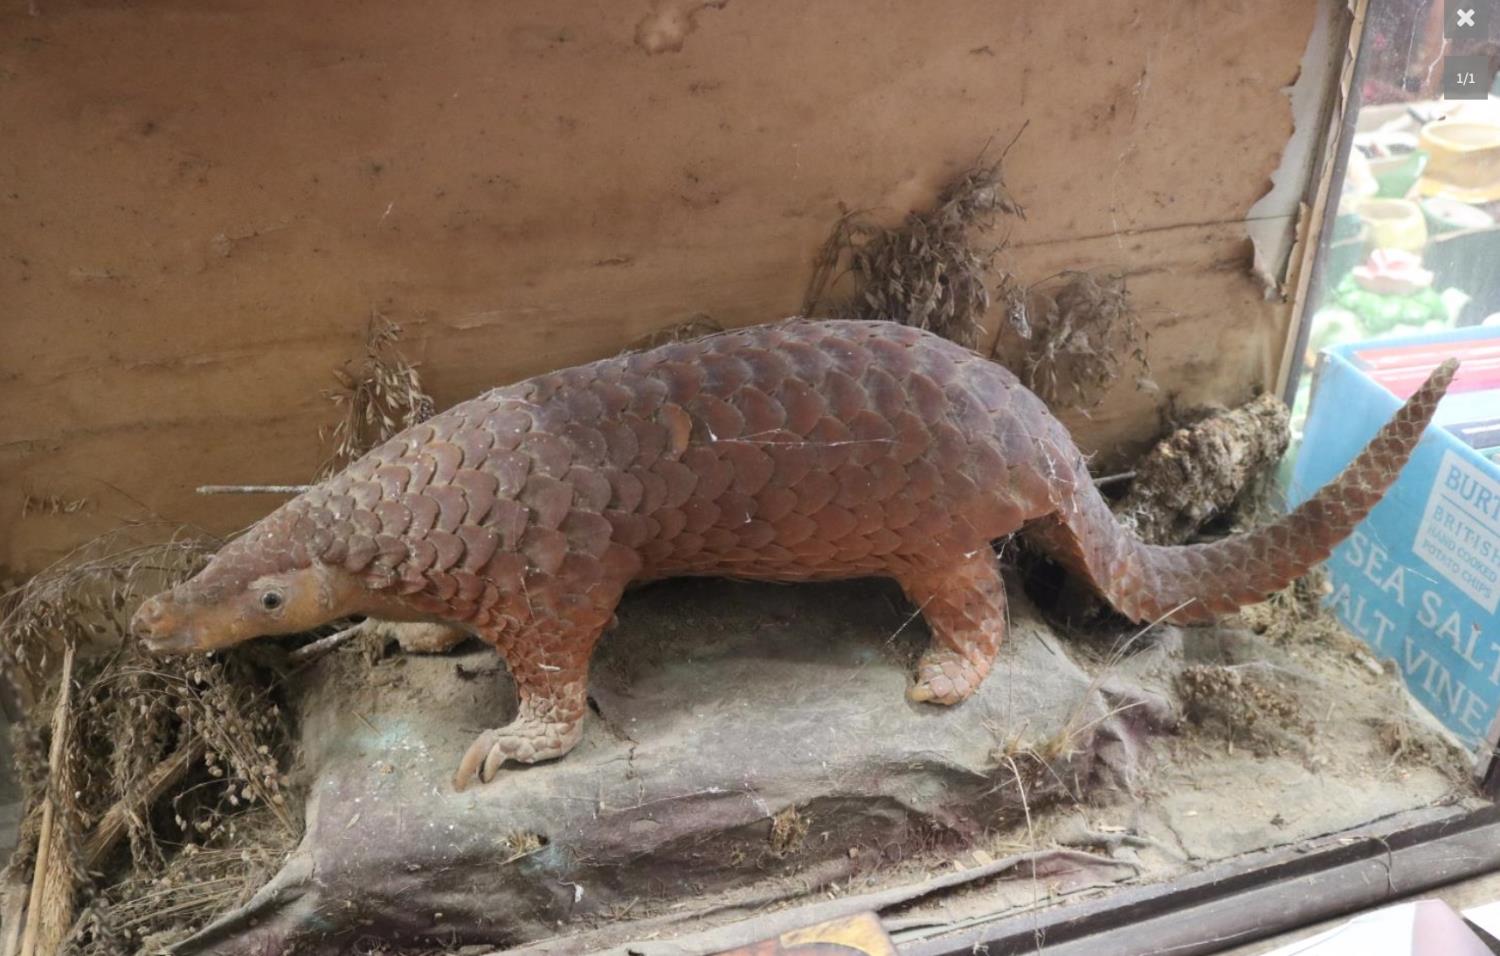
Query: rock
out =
(744, 733)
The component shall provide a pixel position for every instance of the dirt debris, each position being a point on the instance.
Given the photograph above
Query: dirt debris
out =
(1198, 471)
(1243, 702)
(788, 831)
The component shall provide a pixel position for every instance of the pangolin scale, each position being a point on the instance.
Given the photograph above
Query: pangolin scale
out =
(803, 450)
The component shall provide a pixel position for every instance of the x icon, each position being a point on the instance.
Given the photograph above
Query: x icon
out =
(1465, 17)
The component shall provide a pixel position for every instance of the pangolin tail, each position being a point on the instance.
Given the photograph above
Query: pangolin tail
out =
(1192, 583)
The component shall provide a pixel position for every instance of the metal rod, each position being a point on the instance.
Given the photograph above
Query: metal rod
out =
(252, 489)
(315, 650)
(1113, 479)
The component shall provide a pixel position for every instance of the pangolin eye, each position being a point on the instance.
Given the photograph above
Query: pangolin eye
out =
(271, 600)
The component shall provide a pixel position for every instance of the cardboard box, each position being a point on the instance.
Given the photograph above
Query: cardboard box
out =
(1419, 580)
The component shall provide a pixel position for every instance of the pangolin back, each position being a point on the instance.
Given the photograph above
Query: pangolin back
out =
(800, 450)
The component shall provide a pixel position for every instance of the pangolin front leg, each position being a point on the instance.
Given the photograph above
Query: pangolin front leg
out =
(963, 602)
(549, 663)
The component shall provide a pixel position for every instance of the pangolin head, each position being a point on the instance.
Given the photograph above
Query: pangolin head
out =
(264, 582)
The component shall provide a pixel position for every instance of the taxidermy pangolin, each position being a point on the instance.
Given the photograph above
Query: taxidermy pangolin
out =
(799, 451)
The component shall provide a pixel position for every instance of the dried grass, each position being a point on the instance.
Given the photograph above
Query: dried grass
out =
(927, 272)
(200, 842)
(695, 327)
(131, 713)
(384, 395)
(1072, 336)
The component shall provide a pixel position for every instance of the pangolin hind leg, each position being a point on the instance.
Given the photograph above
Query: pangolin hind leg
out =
(422, 638)
(964, 606)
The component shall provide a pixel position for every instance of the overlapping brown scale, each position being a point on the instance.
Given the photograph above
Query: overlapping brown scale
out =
(470, 589)
(509, 424)
(626, 491)
(891, 355)
(393, 517)
(480, 490)
(424, 513)
(699, 514)
(421, 469)
(716, 419)
(586, 444)
(653, 491)
(767, 369)
(506, 571)
(683, 381)
(549, 454)
(849, 354)
(833, 441)
(509, 520)
(544, 548)
(803, 405)
(680, 481)
(548, 499)
(714, 473)
(476, 443)
(392, 479)
(321, 537)
(364, 495)
(807, 362)
(815, 491)
(586, 533)
(651, 441)
(446, 458)
(365, 522)
(614, 398)
(751, 464)
(420, 555)
(776, 500)
(647, 393)
(679, 430)
(361, 550)
(391, 550)
(901, 511)
(592, 490)
(966, 412)
(480, 544)
(583, 405)
(723, 373)
(510, 469)
(452, 506)
(442, 585)
(622, 445)
(449, 546)
(835, 523)
(793, 529)
(761, 414)
(630, 530)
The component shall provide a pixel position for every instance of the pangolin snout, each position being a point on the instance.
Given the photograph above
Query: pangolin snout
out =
(152, 624)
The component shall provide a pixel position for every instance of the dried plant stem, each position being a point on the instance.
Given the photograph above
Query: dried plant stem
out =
(116, 820)
(12, 911)
(51, 903)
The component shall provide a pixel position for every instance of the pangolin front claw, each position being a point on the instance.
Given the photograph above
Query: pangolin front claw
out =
(474, 759)
(522, 741)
